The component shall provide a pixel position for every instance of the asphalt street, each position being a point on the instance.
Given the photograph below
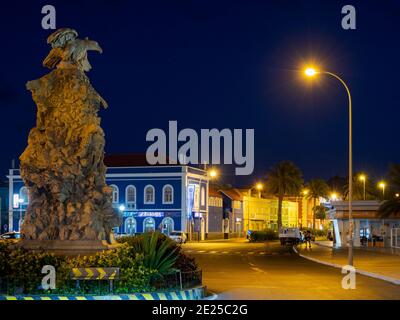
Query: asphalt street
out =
(236, 269)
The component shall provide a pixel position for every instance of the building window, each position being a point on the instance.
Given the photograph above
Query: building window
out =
(24, 195)
(168, 194)
(115, 193)
(203, 196)
(149, 225)
(130, 226)
(130, 194)
(167, 225)
(149, 194)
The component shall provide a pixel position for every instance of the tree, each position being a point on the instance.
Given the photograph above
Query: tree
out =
(389, 208)
(284, 179)
(320, 212)
(371, 192)
(392, 206)
(317, 188)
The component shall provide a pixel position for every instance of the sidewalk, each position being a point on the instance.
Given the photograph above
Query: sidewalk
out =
(329, 244)
(378, 264)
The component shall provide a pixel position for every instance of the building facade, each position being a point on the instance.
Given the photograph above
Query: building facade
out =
(148, 198)
(262, 213)
(215, 213)
(369, 228)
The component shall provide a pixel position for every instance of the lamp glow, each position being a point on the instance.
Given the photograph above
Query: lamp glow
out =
(259, 186)
(121, 208)
(213, 173)
(310, 72)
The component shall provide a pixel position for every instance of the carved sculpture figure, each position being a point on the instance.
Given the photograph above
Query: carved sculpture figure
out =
(62, 165)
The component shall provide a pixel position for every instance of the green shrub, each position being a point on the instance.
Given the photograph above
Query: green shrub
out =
(142, 260)
(265, 235)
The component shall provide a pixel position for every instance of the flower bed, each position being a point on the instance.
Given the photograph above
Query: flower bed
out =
(146, 264)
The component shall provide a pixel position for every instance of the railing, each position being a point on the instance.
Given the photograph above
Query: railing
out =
(176, 280)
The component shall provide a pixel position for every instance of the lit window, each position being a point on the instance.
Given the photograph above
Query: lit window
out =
(168, 194)
(24, 195)
(149, 194)
(115, 193)
(130, 194)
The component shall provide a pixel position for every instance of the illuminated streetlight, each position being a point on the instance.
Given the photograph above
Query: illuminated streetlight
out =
(311, 72)
(397, 195)
(212, 173)
(382, 185)
(363, 178)
(305, 192)
(334, 196)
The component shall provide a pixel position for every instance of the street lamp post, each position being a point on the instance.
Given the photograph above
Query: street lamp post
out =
(363, 178)
(310, 72)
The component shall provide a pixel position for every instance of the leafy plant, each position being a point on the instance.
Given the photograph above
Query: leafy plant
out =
(158, 256)
(265, 235)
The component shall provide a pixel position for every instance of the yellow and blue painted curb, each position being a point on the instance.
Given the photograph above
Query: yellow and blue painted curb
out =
(190, 294)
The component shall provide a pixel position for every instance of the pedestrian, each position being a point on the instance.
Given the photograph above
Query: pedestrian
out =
(308, 238)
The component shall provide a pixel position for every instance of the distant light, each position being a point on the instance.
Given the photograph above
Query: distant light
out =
(334, 196)
(362, 177)
(305, 192)
(397, 195)
(382, 185)
(121, 208)
(213, 173)
(259, 186)
(310, 72)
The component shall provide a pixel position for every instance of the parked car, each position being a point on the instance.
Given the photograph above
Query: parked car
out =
(178, 236)
(10, 236)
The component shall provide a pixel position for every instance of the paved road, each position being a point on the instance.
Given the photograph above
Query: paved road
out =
(236, 269)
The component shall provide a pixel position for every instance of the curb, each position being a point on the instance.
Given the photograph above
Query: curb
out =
(362, 272)
(190, 294)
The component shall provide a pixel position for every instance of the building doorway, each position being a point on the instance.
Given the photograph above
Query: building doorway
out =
(149, 225)
(167, 225)
(130, 226)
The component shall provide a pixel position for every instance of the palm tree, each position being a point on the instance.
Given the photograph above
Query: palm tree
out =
(284, 179)
(392, 206)
(389, 208)
(317, 188)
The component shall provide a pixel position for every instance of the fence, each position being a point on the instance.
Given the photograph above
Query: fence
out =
(395, 238)
(176, 280)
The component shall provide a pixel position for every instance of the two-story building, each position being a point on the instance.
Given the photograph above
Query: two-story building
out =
(157, 197)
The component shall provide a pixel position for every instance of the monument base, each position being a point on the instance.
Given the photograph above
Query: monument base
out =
(67, 247)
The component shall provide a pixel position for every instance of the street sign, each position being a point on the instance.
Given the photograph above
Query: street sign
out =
(94, 273)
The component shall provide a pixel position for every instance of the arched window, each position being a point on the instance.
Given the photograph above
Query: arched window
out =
(168, 194)
(130, 194)
(130, 226)
(167, 225)
(149, 225)
(203, 196)
(24, 195)
(149, 194)
(115, 193)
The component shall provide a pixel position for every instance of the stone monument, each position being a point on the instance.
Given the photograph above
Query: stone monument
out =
(70, 205)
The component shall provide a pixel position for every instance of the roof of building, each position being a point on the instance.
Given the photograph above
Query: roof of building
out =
(213, 192)
(233, 194)
(128, 160)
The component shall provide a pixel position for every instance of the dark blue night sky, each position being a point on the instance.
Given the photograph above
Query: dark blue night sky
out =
(222, 64)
